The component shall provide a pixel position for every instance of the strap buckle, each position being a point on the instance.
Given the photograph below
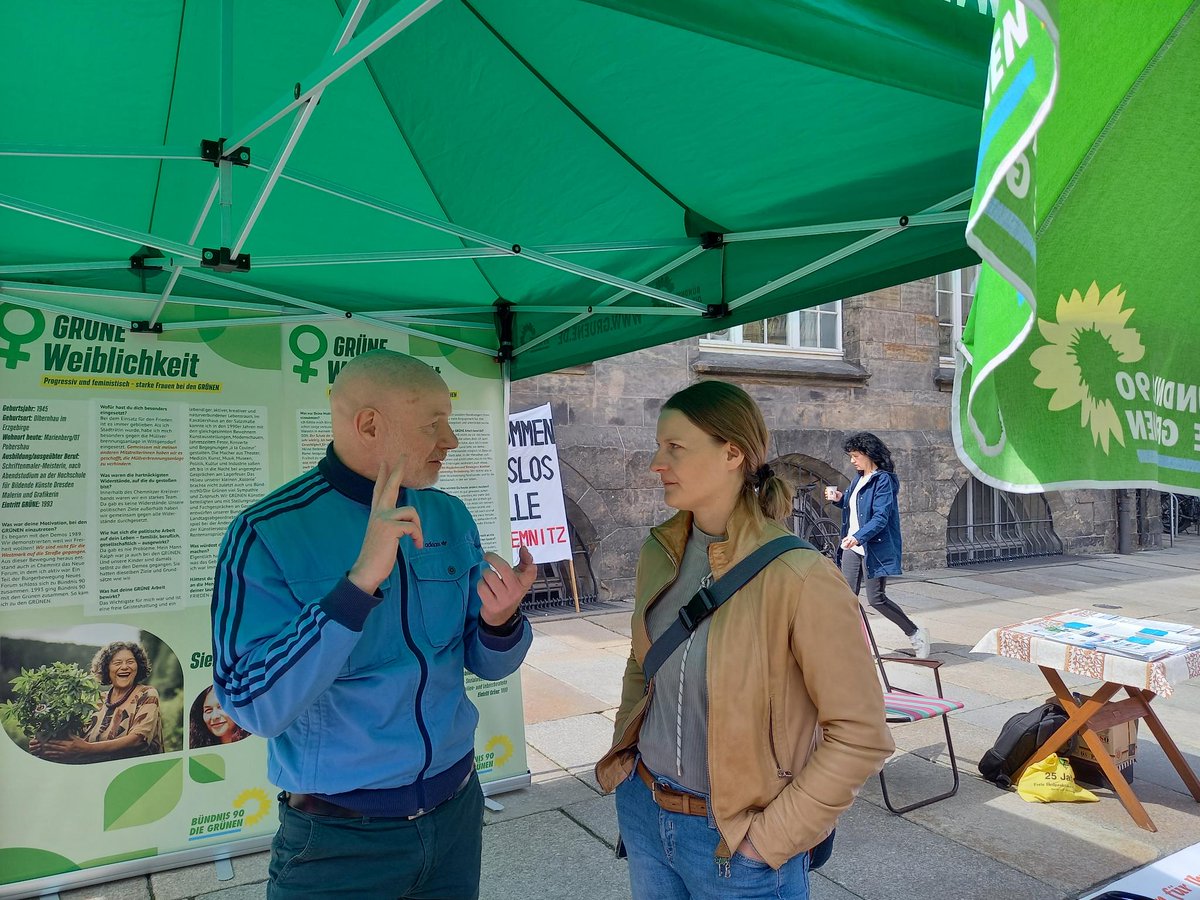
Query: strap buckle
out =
(697, 609)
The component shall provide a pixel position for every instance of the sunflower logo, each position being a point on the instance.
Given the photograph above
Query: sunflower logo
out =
(502, 747)
(259, 796)
(1084, 351)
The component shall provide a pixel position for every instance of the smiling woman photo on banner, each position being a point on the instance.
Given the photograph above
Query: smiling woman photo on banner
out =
(91, 693)
(127, 721)
(208, 723)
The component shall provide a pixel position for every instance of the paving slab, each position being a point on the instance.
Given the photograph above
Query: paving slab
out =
(880, 856)
(548, 698)
(193, 881)
(581, 633)
(595, 672)
(982, 674)
(549, 857)
(618, 622)
(577, 741)
(936, 591)
(127, 889)
(979, 586)
(546, 794)
(821, 888)
(545, 645)
(242, 892)
(598, 816)
(1099, 839)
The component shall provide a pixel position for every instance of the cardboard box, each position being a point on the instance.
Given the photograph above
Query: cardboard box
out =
(1120, 741)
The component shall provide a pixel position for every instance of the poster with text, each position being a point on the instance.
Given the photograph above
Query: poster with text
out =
(124, 458)
(535, 495)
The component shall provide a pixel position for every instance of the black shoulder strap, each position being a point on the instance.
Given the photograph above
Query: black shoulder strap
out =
(707, 599)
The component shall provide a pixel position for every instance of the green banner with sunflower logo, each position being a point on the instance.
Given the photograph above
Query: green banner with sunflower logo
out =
(1078, 364)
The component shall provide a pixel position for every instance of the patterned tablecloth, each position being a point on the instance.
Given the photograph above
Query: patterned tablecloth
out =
(1159, 676)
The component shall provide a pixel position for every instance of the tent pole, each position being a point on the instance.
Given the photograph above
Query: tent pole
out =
(402, 256)
(91, 152)
(941, 218)
(386, 27)
(513, 249)
(608, 310)
(224, 165)
(166, 292)
(657, 273)
(65, 310)
(345, 32)
(333, 311)
(24, 287)
(36, 268)
(109, 230)
(849, 250)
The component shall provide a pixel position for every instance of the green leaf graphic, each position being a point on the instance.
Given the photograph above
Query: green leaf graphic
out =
(206, 768)
(24, 863)
(142, 794)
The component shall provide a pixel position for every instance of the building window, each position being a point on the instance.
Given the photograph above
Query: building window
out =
(988, 525)
(817, 329)
(955, 292)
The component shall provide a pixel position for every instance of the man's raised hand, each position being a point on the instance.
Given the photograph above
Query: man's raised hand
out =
(502, 587)
(386, 525)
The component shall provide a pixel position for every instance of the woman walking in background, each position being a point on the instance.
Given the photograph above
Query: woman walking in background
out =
(758, 730)
(870, 548)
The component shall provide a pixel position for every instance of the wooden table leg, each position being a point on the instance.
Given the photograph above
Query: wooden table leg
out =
(1154, 723)
(1077, 716)
(1077, 723)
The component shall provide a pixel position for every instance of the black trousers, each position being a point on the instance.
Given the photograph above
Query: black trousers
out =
(854, 568)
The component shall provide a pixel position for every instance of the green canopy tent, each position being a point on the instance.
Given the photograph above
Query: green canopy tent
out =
(545, 183)
(1078, 365)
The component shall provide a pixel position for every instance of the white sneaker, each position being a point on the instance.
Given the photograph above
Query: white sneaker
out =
(920, 642)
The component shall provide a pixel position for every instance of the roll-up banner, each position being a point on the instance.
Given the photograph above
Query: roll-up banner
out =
(125, 456)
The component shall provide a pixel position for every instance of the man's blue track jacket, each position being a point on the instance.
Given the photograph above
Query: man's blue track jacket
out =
(353, 691)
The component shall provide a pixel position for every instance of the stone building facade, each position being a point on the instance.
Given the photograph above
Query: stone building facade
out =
(890, 378)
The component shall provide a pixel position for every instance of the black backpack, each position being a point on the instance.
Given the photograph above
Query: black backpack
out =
(1018, 739)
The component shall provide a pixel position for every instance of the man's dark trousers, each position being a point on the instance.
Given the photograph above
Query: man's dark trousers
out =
(433, 857)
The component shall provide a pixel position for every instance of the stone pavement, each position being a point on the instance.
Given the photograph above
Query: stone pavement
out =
(554, 839)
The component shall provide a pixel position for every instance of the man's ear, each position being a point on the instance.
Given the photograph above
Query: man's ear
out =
(366, 424)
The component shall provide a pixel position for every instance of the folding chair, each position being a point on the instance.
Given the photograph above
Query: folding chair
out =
(904, 706)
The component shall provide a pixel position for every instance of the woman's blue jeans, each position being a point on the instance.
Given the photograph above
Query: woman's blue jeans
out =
(672, 856)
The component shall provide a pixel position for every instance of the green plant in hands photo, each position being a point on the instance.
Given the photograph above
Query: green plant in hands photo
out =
(54, 701)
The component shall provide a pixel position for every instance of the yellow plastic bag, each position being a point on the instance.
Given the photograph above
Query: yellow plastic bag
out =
(1052, 780)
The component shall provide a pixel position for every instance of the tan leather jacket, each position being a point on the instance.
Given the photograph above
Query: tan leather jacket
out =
(796, 721)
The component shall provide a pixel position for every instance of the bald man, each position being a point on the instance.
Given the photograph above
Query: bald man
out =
(345, 608)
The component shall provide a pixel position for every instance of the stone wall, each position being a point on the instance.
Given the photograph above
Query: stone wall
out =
(889, 381)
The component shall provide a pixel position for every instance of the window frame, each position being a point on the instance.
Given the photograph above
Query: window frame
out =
(735, 343)
(957, 320)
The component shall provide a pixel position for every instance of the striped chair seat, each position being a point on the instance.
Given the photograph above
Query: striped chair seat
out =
(914, 707)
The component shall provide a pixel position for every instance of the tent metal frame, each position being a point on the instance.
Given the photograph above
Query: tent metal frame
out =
(186, 260)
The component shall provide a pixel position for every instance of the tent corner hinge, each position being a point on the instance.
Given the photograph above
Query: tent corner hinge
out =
(716, 310)
(142, 326)
(214, 152)
(504, 330)
(143, 262)
(712, 240)
(221, 259)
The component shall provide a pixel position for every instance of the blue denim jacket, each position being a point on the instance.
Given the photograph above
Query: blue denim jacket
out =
(878, 522)
(352, 691)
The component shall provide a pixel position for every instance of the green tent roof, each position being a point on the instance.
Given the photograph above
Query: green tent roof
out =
(620, 173)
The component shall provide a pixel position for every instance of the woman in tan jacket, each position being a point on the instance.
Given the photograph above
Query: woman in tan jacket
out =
(757, 732)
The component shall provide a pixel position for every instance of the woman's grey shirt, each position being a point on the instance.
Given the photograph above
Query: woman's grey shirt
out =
(673, 740)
